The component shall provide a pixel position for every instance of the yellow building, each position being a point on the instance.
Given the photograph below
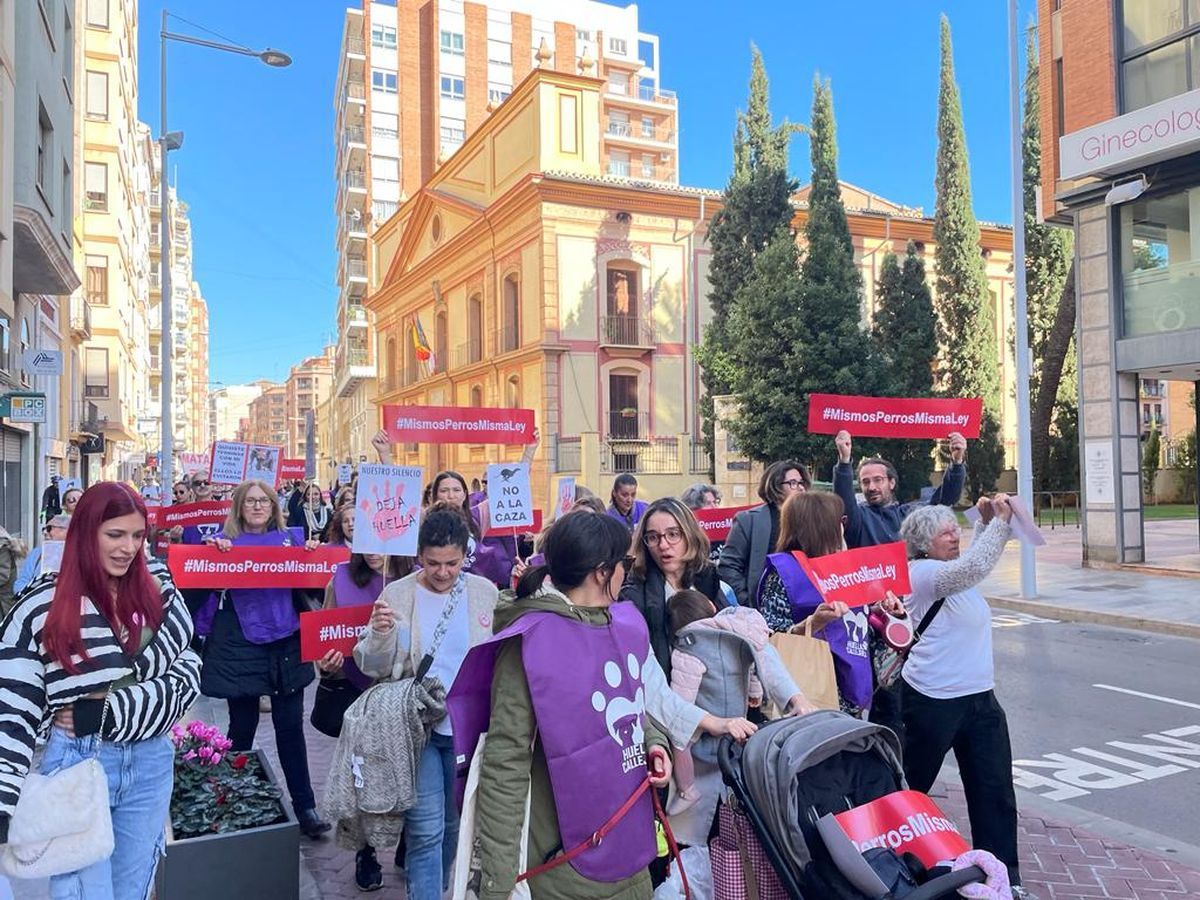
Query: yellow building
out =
(541, 281)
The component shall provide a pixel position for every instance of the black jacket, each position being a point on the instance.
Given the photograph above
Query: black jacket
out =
(649, 595)
(867, 525)
(745, 553)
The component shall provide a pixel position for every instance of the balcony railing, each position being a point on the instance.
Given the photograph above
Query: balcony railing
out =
(357, 356)
(637, 131)
(356, 315)
(628, 425)
(81, 317)
(355, 135)
(356, 46)
(619, 169)
(702, 463)
(155, 281)
(355, 225)
(356, 267)
(88, 417)
(356, 91)
(382, 210)
(626, 331)
(648, 93)
(356, 180)
(653, 456)
(468, 352)
(506, 339)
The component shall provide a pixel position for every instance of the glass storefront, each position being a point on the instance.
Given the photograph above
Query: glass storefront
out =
(1160, 263)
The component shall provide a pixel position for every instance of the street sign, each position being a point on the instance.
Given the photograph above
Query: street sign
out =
(30, 408)
(43, 362)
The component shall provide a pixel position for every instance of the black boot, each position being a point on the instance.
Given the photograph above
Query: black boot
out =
(311, 824)
(368, 874)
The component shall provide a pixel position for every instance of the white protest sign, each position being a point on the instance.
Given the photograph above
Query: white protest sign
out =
(345, 473)
(262, 463)
(387, 510)
(566, 496)
(510, 501)
(52, 552)
(1024, 529)
(228, 463)
(68, 484)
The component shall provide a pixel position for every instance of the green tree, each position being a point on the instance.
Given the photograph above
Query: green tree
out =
(1050, 293)
(1151, 458)
(792, 337)
(970, 363)
(755, 206)
(904, 332)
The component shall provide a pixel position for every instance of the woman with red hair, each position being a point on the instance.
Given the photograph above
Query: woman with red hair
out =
(97, 656)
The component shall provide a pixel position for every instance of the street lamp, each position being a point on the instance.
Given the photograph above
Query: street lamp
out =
(168, 141)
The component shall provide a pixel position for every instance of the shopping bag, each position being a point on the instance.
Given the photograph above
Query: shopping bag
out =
(467, 874)
(810, 663)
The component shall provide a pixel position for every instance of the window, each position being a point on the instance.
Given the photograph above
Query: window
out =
(475, 329)
(513, 392)
(454, 131)
(622, 284)
(68, 56)
(383, 81)
(476, 396)
(441, 342)
(95, 372)
(96, 284)
(96, 13)
(648, 126)
(97, 95)
(618, 163)
(618, 83)
(5, 334)
(385, 125)
(45, 148)
(452, 42)
(383, 36)
(67, 198)
(582, 35)
(453, 88)
(497, 95)
(510, 337)
(1160, 53)
(1159, 261)
(624, 415)
(95, 187)
(647, 165)
(618, 46)
(385, 169)
(499, 53)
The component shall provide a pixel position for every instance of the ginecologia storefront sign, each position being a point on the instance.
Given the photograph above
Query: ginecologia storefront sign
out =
(1170, 127)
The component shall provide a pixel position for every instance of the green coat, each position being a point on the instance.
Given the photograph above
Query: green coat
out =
(512, 758)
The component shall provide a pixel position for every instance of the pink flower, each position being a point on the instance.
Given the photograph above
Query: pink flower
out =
(216, 758)
(189, 756)
(205, 752)
(196, 728)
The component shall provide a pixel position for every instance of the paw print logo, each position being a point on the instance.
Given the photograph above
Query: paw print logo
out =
(391, 516)
(622, 716)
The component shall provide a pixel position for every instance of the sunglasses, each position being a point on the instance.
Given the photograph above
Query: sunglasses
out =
(199, 484)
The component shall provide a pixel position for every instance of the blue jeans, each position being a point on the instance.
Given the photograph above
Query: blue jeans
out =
(431, 827)
(140, 778)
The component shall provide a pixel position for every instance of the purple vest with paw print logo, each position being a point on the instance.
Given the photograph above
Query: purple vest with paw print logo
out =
(586, 686)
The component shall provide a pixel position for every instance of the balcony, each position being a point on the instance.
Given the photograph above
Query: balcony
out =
(506, 339)
(468, 353)
(629, 332)
(619, 168)
(356, 92)
(353, 365)
(356, 268)
(88, 418)
(637, 133)
(356, 180)
(355, 228)
(81, 318)
(628, 424)
(356, 317)
(382, 210)
(355, 47)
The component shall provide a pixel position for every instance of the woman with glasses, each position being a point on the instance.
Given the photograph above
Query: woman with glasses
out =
(253, 647)
(670, 554)
(70, 498)
(182, 492)
(756, 531)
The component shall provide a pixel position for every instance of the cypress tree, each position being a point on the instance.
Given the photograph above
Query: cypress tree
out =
(970, 363)
(904, 333)
(794, 336)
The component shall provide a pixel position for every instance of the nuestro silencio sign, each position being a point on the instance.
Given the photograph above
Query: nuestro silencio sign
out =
(1166, 128)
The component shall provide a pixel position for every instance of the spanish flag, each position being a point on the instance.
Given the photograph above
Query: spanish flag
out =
(420, 343)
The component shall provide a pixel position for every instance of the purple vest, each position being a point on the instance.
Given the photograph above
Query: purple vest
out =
(265, 614)
(585, 683)
(347, 593)
(848, 638)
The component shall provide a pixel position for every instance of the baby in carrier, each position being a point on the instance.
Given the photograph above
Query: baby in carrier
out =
(720, 663)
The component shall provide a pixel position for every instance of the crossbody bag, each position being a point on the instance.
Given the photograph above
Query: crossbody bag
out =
(889, 662)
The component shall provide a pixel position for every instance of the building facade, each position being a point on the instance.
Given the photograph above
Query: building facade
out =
(1121, 166)
(268, 420)
(229, 405)
(415, 79)
(308, 385)
(540, 280)
(37, 271)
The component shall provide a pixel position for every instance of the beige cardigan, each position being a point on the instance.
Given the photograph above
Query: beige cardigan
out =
(380, 654)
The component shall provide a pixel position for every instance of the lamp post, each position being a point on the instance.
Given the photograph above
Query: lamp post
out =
(168, 141)
(1024, 451)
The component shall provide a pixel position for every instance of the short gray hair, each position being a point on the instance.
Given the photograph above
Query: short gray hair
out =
(693, 497)
(922, 524)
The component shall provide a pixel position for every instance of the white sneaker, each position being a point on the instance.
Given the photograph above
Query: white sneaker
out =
(1021, 893)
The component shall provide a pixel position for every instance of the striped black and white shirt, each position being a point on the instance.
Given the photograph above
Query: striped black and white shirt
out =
(33, 685)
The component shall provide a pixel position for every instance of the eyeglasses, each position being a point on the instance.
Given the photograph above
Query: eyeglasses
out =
(793, 484)
(257, 501)
(199, 484)
(670, 536)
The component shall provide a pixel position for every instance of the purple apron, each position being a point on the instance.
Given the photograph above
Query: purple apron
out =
(585, 683)
(848, 638)
(265, 614)
(347, 593)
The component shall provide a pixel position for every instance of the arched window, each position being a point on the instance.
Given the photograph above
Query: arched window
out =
(441, 343)
(622, 322)
(410, 356)
(476, 396)
(391, 374)
(513, 391)
(510, 314)
(475, 329)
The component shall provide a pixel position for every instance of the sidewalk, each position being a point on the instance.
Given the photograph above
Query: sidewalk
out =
(1121, 597)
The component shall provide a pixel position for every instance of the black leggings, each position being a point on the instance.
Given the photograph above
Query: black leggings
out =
(287, 715)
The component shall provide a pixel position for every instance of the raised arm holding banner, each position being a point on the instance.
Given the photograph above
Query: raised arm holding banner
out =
(894, 417)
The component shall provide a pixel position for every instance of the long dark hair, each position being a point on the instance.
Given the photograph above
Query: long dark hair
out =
(444, 526)
(575, 546)
(361, 574)
(472, 526)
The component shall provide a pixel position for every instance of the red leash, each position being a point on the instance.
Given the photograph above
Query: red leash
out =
(602, 832)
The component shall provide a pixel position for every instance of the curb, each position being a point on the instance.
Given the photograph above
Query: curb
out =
(1096, 617)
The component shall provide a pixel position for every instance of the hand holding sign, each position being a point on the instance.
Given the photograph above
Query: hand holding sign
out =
(844, 444)
(958, 447)
(383, 618)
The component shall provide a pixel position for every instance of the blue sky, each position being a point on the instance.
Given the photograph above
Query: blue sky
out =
(256, 166)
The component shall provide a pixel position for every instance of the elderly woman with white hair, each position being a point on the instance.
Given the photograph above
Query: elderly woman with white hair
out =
(947, 690)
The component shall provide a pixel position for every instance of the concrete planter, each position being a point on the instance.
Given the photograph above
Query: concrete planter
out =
(258, 862)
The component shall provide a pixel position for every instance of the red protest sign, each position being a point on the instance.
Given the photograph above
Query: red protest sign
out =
(859, 576)
(906, 822)
(204, 566)
(152, 513)
(489, 531)
(896, 417)
(332, 629)
(203, 512)
(457, 425)
(716, 521)
(292, 470)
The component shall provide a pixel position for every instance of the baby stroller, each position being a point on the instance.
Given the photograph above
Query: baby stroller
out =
(794, 775)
